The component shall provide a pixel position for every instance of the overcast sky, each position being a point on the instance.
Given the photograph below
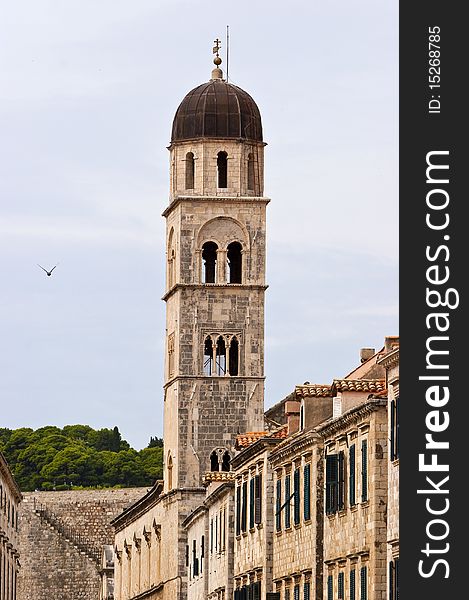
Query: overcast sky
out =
(88, 91)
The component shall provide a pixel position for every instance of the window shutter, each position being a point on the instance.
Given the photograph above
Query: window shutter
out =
(258, 499)
(391, 580)
(278, 506)
(352, 584)
(251, 502)
(256, 595)
(391, 445)
(202, 547)
(249, 592)
(396, 427)
(363, 584)
(396, 579)
(244, 506)
(340, 586)
(238, 511)
(331, 483)
(352, 487)
(330, 588)
(364, 470)
(341, 473)
(236, 594)
(187, 555)
(296, 592)
(306, 591)
(307, 492)
(296, 496)
(287, 501)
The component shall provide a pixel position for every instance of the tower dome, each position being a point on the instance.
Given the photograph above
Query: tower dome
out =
(217, 109)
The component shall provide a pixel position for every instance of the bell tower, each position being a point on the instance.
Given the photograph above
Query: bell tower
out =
(215, 280)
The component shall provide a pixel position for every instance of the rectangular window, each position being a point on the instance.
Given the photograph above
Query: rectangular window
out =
(256, 590)
(278, 506)
(296, 496)
(363, 584)
(217, 545)
(341, 468)
(238, 510)
(340, 586)
(306, 590)
(287, 500)
(352, 585)
(244, 506)
(330, 588)
(351, 476)
(364, 470)
(258, 499)
(251, 503)
(223, 531)
(332, 483)
(307, 492)
(187, 555)
(211, 536)
(287, 593)
(394, 580)
(296, 592)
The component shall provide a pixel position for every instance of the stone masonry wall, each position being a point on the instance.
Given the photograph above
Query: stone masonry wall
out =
(51, 567)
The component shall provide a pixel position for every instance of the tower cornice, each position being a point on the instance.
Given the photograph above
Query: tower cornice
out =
(211, 198)
(228, 286)
(212, 378)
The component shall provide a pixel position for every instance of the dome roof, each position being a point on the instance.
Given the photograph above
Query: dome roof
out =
(217, 109)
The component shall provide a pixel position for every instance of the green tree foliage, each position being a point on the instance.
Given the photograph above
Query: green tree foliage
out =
(78, 456)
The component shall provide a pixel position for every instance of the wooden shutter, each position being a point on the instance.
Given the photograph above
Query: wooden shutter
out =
(278, 506)
(352, 585)
(256, 590)
(244, 506)
(238, 511)
(332, 481)
(364, 470)
(341, 474)
(352, 468)
(307, 492)
(391, 580)
(363, 583)
(258, 499)
(306, 590)
(296, 496)
(287, 500)
(340, 586)
(396, 428)
(251, 502)
(296, 592)
(330, 588)
(392, 433)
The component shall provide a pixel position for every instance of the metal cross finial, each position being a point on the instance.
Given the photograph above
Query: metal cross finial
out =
(217, 46)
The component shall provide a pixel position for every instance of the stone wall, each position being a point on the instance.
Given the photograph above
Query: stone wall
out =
(51, 565)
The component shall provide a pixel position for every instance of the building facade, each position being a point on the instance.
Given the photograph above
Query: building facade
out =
(10, 498)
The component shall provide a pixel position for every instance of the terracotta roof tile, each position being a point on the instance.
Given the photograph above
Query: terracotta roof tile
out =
(217, 476)
(359, 385)
(244, 440)
(315, 390)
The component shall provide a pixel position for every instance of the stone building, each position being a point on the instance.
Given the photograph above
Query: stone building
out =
(10, 498)
(61, 540)
(390, 361)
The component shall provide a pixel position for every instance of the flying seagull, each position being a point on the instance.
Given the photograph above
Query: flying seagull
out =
(49, 273)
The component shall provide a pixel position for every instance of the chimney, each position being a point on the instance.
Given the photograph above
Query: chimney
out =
(292, 412)
(366, 353)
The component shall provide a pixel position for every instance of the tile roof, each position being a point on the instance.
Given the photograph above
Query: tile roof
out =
(217, 476)
(244, 440)
(359, 385)
(313, 391)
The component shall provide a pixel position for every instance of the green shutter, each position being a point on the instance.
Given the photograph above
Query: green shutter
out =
(278, 506)
(352, 584)
(238, 515)
(352, 487)
(332, 483)
(287, 500)
(396, 427)
(363, 584)
(391, 580)
(396, 579)
(258, 499)
(392, 449)
(330, 588)
(251, 503)
(364, 470)
(296, 592)
(306, 590)
(244, 506)
(340, 586)
(296, 496)
(341, 474)
(307, 492)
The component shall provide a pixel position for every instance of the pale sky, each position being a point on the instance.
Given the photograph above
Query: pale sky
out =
(88, 91)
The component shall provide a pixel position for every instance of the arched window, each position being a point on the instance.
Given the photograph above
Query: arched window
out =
(171, 260)
(190, 169)
(234, 357)
(170, 472)
(222, 166)
(220, 365)
(225, 464)
(250, 172)
(214, 465)
(209, 262)
(234, 259)
(208, 356)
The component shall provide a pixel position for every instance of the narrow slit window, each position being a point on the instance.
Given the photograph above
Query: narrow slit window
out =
(234, 257)
(209, 260)
(208, 356)
(220, 366)
(250, 172)
(190, 169)
(170, 472)
(222, 167)
(233, 366)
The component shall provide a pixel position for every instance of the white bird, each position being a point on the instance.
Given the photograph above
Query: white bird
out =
(49, 273)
